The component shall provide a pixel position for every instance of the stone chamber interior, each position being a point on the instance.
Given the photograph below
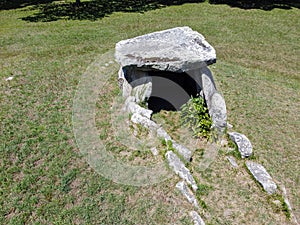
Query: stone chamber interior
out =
(171, 90)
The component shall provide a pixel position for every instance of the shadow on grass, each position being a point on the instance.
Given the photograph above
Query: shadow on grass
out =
(15, 4)
(95, 9)
(259, 4)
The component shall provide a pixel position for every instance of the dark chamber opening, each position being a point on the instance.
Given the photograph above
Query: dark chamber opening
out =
(171, 90)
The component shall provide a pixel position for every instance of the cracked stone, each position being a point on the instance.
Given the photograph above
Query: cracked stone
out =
(178, 49)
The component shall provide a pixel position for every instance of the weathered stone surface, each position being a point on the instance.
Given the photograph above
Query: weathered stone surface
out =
(142, 92)
(262, 176)
(179, 168)
(217, 111)
(161, 133)
(123, 84)
(140, 82)
(183, 151)
(196, 218)
(184, 189)
(208, 86)
(232, 161)
(243, 143)
(132, 107)
(177, 50)
(144, 121)
(215, 102)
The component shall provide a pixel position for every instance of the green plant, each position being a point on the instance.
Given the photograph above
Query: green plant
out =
(194, 114)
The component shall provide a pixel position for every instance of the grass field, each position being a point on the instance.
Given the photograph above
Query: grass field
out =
(45, 180)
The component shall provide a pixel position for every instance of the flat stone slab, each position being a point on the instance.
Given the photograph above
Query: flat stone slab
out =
(243, 143)
(144, 121)
(178, 49)
(187, 193)
(179, 168)
(262, 176)
(196, 218)
(183, 151)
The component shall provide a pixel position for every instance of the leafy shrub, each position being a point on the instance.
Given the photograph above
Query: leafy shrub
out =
(194, 114)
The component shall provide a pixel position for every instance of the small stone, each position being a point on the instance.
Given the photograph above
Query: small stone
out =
(154, 151)
(262, 176)
(179, 168)
(178, 49)
(196, 218)
(183, 151)
(243, 143)
(232, 161)
(9, 78)
(224, 142)
(184, 189)
(230, 126)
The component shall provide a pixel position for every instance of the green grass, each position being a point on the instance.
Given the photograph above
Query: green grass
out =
(45, 180)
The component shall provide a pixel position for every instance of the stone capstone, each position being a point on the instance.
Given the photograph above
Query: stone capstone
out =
(262, 176)
(179, 168)
(196, 218)
(188, 194)
(178, 49)
(242, 142)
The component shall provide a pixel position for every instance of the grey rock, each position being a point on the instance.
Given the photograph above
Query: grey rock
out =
(243, 143)
(218, 111)
(177, 50)
(140, 82)
(183, 151)
(132, 107)
(232, 161)
(184, 189)
(215, 102)
(208, 86)
(144, 121)
(161, 133)
(179, 168)
(262, 176)
(123, 84)
(142, 92)
(196, 218)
